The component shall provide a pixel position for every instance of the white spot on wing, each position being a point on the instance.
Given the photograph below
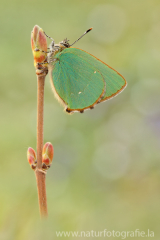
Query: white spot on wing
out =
(79, 92)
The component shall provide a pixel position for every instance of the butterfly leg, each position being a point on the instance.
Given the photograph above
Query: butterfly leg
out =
(39, 50)
(40, 69)
(51, 59)
(48, 36)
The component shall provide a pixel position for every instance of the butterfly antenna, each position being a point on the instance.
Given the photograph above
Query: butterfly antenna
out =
(82, 36)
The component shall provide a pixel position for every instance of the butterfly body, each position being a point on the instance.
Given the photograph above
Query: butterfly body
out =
(80, 80)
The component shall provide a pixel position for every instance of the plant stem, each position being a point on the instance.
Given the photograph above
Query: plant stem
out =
(40, 174)
(42, 197)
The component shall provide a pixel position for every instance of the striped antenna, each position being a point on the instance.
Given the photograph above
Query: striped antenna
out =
(82, 36)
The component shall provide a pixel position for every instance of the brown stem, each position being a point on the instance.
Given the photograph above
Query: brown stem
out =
(42, 197)
(40, 174)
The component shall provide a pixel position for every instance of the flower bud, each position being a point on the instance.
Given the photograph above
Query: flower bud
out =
(31, 156)
(38, 44)
(47, 155)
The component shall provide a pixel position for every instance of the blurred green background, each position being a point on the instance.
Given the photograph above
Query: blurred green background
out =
(106, 168)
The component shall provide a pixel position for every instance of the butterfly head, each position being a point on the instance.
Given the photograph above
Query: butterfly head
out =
(64, 43)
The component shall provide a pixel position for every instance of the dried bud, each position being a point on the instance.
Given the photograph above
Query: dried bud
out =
(32, 159)
(38, 44)
(47, 155)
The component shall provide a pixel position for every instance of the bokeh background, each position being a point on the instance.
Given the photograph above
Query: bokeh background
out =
(106, 167)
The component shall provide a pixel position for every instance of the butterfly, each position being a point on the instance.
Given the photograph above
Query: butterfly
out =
(80, 80)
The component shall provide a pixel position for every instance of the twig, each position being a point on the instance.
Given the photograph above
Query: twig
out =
(42, 162)
(40, 174)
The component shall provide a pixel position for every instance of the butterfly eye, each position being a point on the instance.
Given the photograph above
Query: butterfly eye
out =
(65, 43)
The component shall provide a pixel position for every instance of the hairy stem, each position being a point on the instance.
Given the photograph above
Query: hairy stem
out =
(40, 174)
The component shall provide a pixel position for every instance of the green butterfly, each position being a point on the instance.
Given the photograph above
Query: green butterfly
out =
(80, 80)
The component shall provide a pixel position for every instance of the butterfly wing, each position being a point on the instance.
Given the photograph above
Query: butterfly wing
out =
(115, 82)
(76, 82)
(81, 80)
